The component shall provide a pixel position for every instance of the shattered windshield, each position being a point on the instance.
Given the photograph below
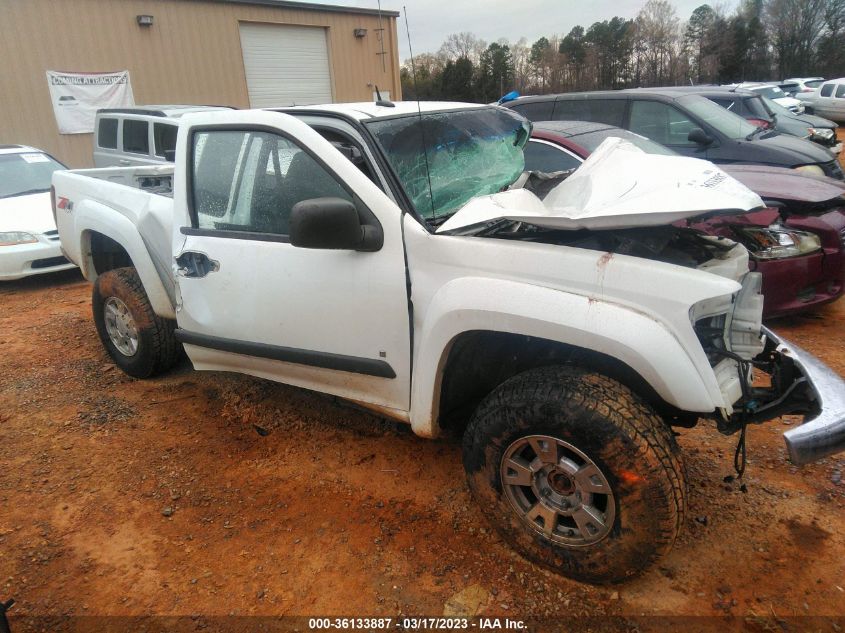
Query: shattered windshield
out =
(444, 159)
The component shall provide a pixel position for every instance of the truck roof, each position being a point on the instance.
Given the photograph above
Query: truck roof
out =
(370, 110)
(18, 149)
(169, 111)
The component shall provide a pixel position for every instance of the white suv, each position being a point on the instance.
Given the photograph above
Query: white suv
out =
(144, 135)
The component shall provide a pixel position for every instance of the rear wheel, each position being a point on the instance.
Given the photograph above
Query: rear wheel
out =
(577, 473)
(139, 341)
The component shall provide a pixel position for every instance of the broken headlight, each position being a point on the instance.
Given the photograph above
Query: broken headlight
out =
(12, 238)
(821, 133)
(778, 242)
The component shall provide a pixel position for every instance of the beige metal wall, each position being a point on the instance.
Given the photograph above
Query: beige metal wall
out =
(190, 55)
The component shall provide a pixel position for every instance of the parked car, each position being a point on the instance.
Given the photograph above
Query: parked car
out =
(762, 111)
(143, 135)
(774, 92)
(801, 257)
(805, 84)
(403, 277)
(689, 124)
(29, 241)
(828, 100)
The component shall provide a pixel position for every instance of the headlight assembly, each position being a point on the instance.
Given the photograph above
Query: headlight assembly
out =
(822, 133)
(810, 170)
(778, 242)
(12, 238)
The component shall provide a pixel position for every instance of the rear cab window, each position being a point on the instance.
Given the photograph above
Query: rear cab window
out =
(136, 136)
(827, 90)
(107, 133)
(840, 91)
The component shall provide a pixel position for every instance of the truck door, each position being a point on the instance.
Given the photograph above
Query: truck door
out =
(335, 321)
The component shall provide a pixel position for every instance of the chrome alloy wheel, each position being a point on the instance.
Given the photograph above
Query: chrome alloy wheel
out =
(557, 490)
(120, 326)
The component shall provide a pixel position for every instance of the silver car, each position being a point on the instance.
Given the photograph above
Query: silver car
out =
(828, 100)
(144, 135)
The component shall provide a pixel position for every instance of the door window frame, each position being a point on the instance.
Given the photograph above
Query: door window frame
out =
(254, 236)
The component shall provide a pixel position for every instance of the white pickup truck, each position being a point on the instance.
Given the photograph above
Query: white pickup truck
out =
(398, 257)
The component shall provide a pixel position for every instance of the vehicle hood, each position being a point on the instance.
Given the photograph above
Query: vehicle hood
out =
(813, 121)
(787, 185)
(31, 213)
(791, 150)
(618, 186)
(787, 102)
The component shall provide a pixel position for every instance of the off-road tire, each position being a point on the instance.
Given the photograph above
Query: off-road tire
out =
(158, 350)
(632, 446)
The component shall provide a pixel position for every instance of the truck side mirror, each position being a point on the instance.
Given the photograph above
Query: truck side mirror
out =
(332, 223)
(697, 135)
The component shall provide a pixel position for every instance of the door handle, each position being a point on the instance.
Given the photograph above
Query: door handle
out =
(123, 161)
(195, 265)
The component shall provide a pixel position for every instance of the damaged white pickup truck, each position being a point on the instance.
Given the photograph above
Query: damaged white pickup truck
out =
(401, 259)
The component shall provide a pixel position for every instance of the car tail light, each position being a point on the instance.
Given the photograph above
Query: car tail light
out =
(763, 123)
(53, 204)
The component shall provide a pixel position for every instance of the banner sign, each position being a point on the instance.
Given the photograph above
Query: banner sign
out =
(76, 97)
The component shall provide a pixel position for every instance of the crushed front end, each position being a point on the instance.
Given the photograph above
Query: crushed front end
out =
(765, 376)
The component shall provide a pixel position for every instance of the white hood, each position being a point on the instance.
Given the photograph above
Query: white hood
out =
(31, 213)
(618, 186)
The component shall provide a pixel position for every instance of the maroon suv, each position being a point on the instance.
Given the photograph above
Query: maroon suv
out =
(798, 242)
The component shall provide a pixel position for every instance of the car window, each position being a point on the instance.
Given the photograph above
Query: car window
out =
(27, 172)
(164, 137)
(609, 111)
(541, 156)
(827, 90)
(840, 90)
(107, 133)
(250, 181)
(535, 110)
(136, 138)
(725, 122)
(814, 83)
(661, 123)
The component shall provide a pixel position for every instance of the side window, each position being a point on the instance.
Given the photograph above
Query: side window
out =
(609, 111)
(164, 137)
(840, 91)
(544, 157)
(136, 136)
(107, 133)
(249, 181)
(827, 90)
(660, 122)
(536, 110)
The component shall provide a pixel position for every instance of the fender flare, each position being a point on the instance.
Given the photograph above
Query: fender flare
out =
(637, 339)
(94, 217)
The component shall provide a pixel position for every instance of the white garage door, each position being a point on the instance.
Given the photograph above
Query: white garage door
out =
(285, 65)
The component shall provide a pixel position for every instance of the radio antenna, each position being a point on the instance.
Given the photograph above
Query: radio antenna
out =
(419, 113)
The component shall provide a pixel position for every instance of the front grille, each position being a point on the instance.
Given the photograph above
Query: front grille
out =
(49, 262)
(833, 170)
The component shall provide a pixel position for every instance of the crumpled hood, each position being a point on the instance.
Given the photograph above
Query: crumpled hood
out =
(787, 185)
(31, 213)
(618, 186)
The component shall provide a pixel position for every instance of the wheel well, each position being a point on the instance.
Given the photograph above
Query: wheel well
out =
(479, 361)
(106, 253)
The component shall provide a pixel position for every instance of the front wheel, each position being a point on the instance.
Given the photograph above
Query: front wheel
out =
(139, 341)
(577, 473)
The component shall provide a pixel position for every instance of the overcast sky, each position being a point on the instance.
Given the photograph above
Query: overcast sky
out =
(432, 20)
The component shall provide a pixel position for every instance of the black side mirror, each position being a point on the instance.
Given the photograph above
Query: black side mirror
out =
(170, 155)
(697, 135)
(333, 223)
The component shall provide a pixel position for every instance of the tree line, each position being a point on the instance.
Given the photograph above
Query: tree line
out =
(760, 40)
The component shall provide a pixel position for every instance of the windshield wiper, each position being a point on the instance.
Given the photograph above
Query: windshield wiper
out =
(26, 193)
(756, 131)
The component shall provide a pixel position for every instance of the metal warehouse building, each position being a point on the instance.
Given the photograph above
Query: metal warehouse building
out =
(242, 53)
